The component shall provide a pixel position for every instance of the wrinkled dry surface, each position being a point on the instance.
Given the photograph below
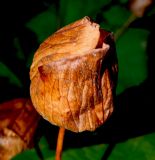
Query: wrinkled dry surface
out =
(73, 76)
(18, 122)
(10, 144)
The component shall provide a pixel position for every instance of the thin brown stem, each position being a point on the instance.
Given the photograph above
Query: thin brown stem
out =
(125, 26)
(60, 143)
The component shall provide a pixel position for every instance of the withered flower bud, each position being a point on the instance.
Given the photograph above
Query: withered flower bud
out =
(138, 7)
(73, 76)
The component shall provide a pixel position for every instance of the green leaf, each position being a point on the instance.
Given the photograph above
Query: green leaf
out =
(6, 72)
(31, 154)
(44, 24)
(134, 149)
(132, 58)
(116, 16)
(86, 153)
(74, 10)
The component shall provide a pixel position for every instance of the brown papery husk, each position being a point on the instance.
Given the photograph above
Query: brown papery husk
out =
(74, 75)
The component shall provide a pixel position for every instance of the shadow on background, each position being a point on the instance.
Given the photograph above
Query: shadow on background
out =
(14, 15)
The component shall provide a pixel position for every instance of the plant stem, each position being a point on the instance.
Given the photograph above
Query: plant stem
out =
(121, 30)
(60, 143)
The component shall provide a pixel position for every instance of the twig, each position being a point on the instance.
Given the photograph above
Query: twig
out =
(60, 143)
(121, 30)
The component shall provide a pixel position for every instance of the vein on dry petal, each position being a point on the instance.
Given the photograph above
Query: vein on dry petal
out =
(90, 118)
(71, 109)
(51, 99)
(93, 96)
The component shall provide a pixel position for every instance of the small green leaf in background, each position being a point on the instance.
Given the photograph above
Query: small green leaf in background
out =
(6, 72)
(85, 153)
(44, 24)
(73, 10)
(140, 148)
(116, 16)
(132, 58)
(31, 154)
(19, 53)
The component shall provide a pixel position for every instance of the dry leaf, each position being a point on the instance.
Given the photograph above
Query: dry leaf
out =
(18, 122)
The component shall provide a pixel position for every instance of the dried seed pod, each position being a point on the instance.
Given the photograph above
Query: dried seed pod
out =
(18, 122)
(73, 76)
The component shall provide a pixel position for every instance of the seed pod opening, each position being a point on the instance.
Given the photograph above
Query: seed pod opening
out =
(73, 76)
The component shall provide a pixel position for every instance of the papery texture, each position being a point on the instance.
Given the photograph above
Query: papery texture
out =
(18, 123)
(73, 76)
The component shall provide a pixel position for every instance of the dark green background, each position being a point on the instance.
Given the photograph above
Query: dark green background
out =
(129, 133)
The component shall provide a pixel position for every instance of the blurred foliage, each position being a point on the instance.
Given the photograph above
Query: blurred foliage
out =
(30, 22)
(133, 65)
(138, 148)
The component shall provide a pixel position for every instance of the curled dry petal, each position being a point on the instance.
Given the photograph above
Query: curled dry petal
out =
(73, 76)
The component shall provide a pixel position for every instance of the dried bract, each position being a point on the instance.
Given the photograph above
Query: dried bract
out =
(73, 76)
